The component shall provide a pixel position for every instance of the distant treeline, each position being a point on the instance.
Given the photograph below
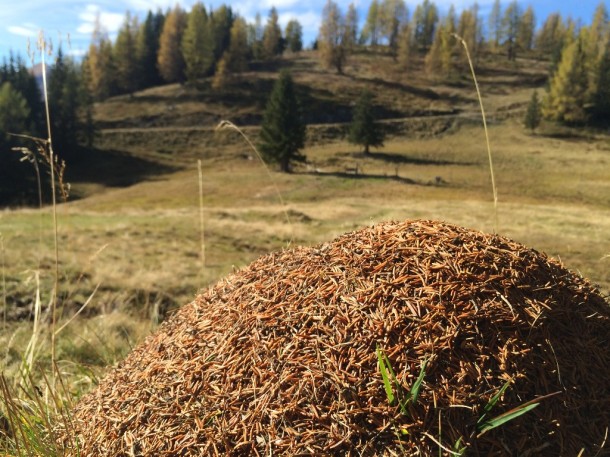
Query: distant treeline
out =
(180, 46)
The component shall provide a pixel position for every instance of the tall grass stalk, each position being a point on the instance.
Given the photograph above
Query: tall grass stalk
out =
(227, 125)
(3, 268)
(201, 226)
(44, 49)
(28, 358)
(491, 167)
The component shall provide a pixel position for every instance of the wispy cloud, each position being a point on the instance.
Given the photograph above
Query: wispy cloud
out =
(25, 30)
(109, 20)
(309, 20)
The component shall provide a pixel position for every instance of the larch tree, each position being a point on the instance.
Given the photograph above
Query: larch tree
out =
(272, 36)
(332, 37)
(551, 38)
(99, 64)
(294, 36)
(364, 130)
(526, 30)
(255, 37)
(170, 60)
(405, 48)
(495, 25)
(198, 44)
(424, 23)
(221, 75)
(467, 30)
(394, 14)
(127, 71)
(237, 54)
(565, 101)
(351, 26)
(372, 26)
(474, 31)
(283, 131)
(438, 59)
(510, 29)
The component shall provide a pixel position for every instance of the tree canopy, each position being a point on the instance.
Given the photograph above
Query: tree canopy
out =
(283, 130)
(364, 130)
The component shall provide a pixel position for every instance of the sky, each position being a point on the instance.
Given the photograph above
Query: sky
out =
(70, 22)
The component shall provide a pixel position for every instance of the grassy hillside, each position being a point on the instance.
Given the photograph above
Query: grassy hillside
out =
(132, 234)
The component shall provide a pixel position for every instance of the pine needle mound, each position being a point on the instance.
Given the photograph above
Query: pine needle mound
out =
(280, 357)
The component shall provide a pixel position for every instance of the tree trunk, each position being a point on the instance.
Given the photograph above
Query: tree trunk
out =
(285, 165)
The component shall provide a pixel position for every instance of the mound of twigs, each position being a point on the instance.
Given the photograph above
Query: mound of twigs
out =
(282, 357)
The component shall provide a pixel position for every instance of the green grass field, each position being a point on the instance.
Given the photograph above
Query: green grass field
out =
(133, 233)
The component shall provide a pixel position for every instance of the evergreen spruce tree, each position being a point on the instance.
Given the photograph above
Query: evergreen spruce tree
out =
(65, 102)
(533, 115)
(364, 130)
(198, 44)
(15, 185)
(147, 47)
(222, 21)
(127, 71)
(601, 98)
(283, 130)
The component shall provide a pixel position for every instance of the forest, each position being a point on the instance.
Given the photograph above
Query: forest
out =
(218, 46)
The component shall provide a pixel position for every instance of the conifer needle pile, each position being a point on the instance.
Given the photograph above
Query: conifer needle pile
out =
(283, 357)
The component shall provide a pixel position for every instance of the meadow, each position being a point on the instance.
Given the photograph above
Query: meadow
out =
(130, 241)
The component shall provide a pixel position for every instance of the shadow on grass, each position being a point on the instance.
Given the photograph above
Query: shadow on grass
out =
(359, 176)
(397, 158)
(112, 168)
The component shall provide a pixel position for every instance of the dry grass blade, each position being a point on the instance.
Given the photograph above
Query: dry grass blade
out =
(227, 125)
(3, 268)
(491, 167)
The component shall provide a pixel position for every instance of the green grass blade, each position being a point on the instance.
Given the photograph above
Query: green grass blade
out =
(506, 417)
(414, 394)
(383, 368)
(492, 402)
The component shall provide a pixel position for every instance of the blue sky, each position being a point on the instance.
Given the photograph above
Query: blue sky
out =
(70, 22)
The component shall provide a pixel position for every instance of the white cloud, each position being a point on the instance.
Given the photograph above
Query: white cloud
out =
(26, 30)
(309, 20)
(279, 4)
(146, 5)
(110, 21)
